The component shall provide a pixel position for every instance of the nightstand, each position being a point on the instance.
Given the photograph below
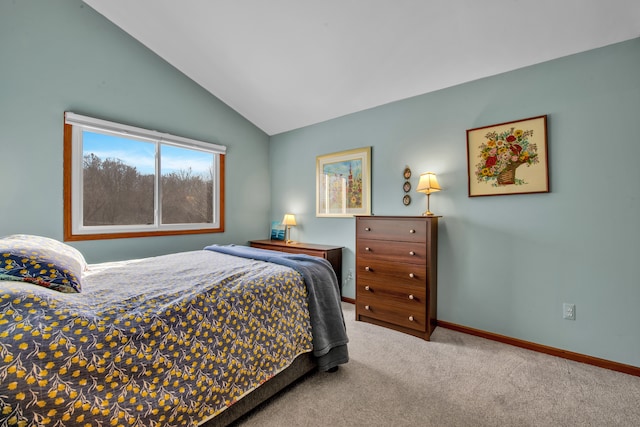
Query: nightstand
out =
(333, 254)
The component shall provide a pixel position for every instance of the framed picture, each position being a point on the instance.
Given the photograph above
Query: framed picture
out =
(277, 230)
(343, 183)
(508, 158)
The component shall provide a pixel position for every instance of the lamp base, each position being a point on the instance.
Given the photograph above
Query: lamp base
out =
(428, 212)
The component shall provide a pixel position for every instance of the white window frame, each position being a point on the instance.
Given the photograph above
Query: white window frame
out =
(75, 229)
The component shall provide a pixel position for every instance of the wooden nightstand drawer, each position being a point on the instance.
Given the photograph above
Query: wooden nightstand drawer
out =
(295, 250)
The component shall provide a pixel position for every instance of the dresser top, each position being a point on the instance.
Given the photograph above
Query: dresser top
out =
(399, 216)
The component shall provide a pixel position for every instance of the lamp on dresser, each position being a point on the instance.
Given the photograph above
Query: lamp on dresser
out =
(428, 184)
(288, 221)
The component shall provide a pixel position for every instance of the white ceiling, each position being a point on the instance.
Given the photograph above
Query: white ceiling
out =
(285, 64)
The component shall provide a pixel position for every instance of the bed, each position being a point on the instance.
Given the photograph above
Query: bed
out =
(186, 339)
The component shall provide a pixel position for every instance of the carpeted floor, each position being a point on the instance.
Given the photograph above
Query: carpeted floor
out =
(456, 379)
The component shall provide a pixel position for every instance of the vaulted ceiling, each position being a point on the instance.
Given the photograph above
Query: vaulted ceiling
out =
(285, 64)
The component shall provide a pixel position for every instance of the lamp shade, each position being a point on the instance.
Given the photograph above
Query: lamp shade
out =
(289, 219)
(428, 183)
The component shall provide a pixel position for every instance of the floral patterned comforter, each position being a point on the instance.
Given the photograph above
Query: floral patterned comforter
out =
(165, 341)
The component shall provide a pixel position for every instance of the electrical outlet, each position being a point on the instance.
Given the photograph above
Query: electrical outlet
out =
(350, 275)
(569, 311)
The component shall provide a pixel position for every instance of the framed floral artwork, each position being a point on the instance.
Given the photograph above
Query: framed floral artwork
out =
(508, 158)
(343, 183)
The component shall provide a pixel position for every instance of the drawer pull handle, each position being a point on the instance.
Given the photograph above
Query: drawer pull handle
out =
(367, 288)
(367, 268)
(411, 296)
(411, 275)
(367, 249)
(411, 319)
(412, 253)
(412, 231)
(367, 229)
(366, 307)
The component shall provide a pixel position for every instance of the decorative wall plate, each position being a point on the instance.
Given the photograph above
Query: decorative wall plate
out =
(406, 187)
(407, 173)
(406, 200)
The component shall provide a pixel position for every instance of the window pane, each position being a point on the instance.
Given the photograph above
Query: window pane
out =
(118, 180)
(186, 186)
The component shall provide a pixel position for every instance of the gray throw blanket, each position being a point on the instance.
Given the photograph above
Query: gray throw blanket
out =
(327, 323)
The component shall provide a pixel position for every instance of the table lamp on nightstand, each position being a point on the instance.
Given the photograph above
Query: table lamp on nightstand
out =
(288, 221)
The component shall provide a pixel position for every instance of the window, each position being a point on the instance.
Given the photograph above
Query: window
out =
(124, 181)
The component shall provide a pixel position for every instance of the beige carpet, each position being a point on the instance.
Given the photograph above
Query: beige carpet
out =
(456, 379)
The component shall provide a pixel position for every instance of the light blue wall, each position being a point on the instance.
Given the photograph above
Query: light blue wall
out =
(60, 55)
(507, 263)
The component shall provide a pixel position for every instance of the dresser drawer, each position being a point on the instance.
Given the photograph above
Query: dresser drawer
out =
(411, 316)
(292, 250)
(394, 292)
(404, 230)
(406, 252)
(373, 270)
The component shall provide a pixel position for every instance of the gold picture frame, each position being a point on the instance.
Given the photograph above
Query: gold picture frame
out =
(343, 183)
(508, 158)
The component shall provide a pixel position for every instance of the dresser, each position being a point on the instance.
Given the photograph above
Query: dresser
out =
(333, 254)
(396, 272)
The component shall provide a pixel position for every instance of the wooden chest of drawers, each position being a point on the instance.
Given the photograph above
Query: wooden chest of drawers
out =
(396, 272)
